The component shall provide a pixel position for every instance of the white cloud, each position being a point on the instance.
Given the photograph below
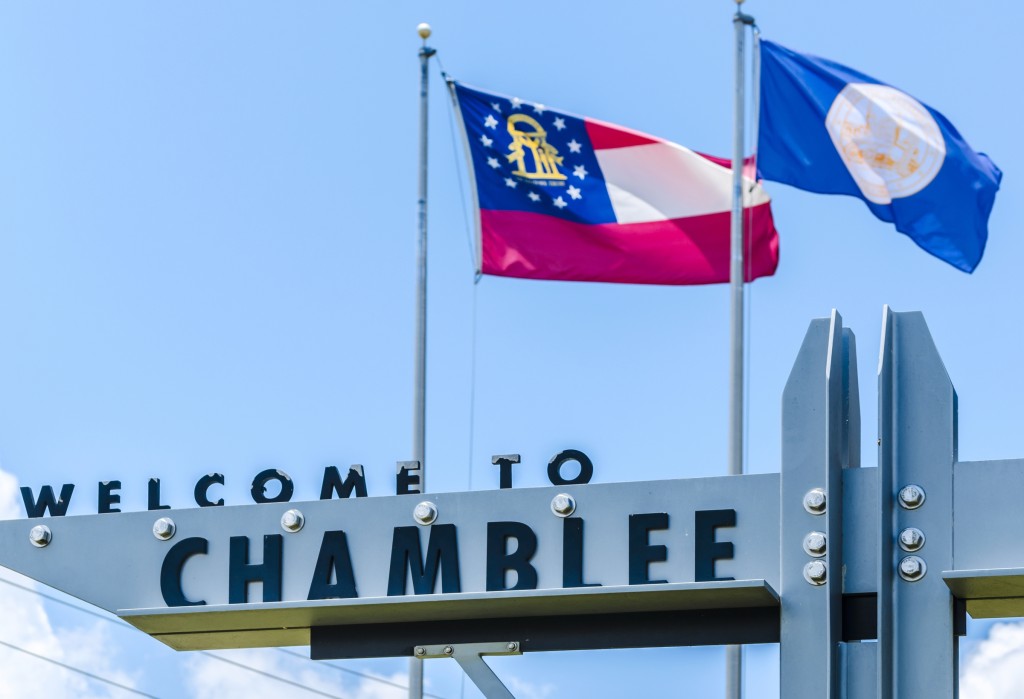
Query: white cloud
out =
(522, 689)
(10, 497)
(210, 678)
(25, 624)
(995, 669)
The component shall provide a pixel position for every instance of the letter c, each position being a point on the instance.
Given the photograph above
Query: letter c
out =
(203, 487)
(170, 572)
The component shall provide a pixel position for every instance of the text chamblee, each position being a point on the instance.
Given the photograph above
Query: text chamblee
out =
(275, 570)
(424, 567)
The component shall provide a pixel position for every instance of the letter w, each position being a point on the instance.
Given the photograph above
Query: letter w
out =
(46, 501)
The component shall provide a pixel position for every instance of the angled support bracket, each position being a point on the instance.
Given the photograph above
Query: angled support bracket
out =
(469, 656)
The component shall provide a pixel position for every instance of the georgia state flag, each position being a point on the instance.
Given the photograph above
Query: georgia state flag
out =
(830, 129)
(564, 197)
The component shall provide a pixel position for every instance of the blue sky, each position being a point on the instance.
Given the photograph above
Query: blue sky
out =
(207, 249)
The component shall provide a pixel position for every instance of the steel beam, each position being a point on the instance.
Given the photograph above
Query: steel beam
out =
(816, 424)
(469, 656)
(917, 415)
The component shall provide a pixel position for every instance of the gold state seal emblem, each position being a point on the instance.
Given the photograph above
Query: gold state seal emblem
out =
(888, 141)
(530, 147)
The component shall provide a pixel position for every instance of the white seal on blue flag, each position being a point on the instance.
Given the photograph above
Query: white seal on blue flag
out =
(888, 141)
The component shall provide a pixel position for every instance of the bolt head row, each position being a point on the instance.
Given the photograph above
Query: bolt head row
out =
(292, 521)
(511, 646)
(164, 528)
(815, 544)
(425, 513)
(815, 501)
(912, 568)
(563, 504)
(40, 536)
(911, 497)
(816, 572)
(911, 539)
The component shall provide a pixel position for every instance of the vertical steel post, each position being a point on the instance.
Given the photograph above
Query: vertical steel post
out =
(733, 654)
(817, 424)
(887, 503)
(918, 617)
(419, 404)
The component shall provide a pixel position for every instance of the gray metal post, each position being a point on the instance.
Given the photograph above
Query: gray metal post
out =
(733, 654)
(419, 404)
(816, 424)
(420, 366)
(736, 279)
(917, 413)
(886, 570)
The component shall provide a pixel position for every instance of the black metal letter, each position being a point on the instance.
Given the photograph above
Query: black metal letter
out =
(555, 467)
(707, 550)
(572, 553)
(499, 560)
(442, 554)
(641, 552)
(334, 562)
(333, 483)
(57, 507)
(407, 479)
(203, 485)
(259, 486)
(107, 497)
(241, 572)
(504, 464)
(170, 571)
(154, 495)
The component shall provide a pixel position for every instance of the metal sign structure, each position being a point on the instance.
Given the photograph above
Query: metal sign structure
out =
(864, 576)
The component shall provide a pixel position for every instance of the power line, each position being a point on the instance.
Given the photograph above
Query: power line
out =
(364, 675)
(123, 624)
(52, 598)
(112, 683)
(271, 676)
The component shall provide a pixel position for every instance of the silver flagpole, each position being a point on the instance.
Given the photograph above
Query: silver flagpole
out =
(733, 654)
(419, 405)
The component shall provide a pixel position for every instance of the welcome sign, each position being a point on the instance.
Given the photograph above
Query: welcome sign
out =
(264, 574)
(818, 558)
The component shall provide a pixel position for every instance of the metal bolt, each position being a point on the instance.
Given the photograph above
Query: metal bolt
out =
(40, 535)
(425, 513)
(814, 544)
(563, 505)
(911, 497)
(912, 568)
(816, 572)
(911, 539)
(814, 501)
(513, 646)
(448, 650)
(164, 528)
(292, 521)
(420, 650)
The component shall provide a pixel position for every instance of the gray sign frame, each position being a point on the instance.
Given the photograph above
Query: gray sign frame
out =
(863, 575)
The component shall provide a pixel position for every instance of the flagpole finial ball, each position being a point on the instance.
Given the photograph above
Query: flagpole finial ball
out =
(423, 29)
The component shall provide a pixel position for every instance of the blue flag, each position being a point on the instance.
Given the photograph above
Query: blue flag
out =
(830, 129)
